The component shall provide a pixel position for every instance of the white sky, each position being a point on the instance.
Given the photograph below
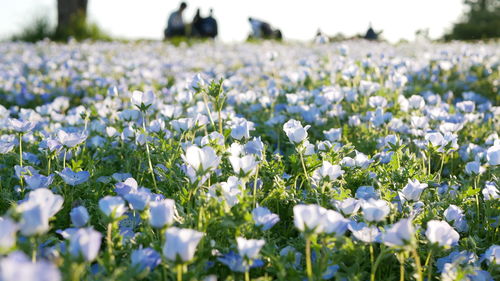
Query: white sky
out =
(297, 19)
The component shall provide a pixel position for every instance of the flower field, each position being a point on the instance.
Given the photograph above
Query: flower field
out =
(352, 161)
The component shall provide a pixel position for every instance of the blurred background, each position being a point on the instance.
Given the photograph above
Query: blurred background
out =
(392, 20)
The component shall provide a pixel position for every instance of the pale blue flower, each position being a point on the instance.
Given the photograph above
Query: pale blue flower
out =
(265, 218)
(79, 216)
(73, 178)
(85, 242)
(145, 258)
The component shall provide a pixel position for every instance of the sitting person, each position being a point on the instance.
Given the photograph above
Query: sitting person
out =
(263, 30)
(175, 24)
(204, 27)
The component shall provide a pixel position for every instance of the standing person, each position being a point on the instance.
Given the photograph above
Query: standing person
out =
(175, 24)
(197, 25)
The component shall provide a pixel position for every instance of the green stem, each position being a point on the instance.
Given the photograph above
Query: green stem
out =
(64, 158)
(308, 260)
(148, 152)
(377, 262)
(303, 165)
(401, 258)
(109, 241)
(179, 272)
(21, 150)
(417, 264)
(247, 275)
(428, 263)
(255, 187)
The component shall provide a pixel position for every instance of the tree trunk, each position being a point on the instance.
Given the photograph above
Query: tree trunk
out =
(68, 11)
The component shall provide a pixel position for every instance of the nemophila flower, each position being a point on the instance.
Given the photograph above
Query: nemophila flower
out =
(249, 248)
(295, 132)
(455, 214)
(73, 178)
(243, 166)
(21, 126)
(145, 258)
(327, 172)
(474, 168)
(367, 192)
(255, 147)
(161, 213)
(79, 216)
(138, 200)
(183, 124)
(70, 140)
(375, 210)
(143, 100)
(413, 189)
(236, 263)
(377, 101)
(112, 206)
(38, 181)
(363, 232)
(442, 233)
(490, 191)
(265, 218)
(25, 170)
(493, 155)
(201, 159)
(6, 145)
(456, 257)
(492, 255)
(85, 243)
(362, 160)
(334, 134)
(213, 137)
(399, 234)
(309, 218)
(242, 130)
(348, 206)
(330, 272)
(126, 187)
(181, 244)
(18, 267)
(8, 229)
(335, 223)
(36, 210)
(416, 102)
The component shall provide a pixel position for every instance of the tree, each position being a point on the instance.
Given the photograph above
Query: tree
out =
(71, 16)
(482, 21)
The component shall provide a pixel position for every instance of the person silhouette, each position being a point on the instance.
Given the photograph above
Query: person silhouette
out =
(263, 30)
(209, 27)
(371, 34)
(175, 24)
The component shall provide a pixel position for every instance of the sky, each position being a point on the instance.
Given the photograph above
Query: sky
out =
(298, 20)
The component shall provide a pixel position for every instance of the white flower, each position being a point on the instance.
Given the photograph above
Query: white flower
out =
(399, 234)
(161, 213)
(442, 233)
(333, 134)
(70, 139)
(243, 165)
(79, 216)
(86, 242)
(413, 190)
(8, 229)
(263, 217)
(490, 191)
(294, 131)
(348, 206)
(363, 232)
(181, 243)
(309, 217)
(493, 155)
(327, 172)
(201, 159)
(334, 222)
(141, 99)
(375, 210)
(249, 248)
(474, 168)
(112, 206)
(416, 102)
(17, 267)
(37, 209)
(453, 213)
